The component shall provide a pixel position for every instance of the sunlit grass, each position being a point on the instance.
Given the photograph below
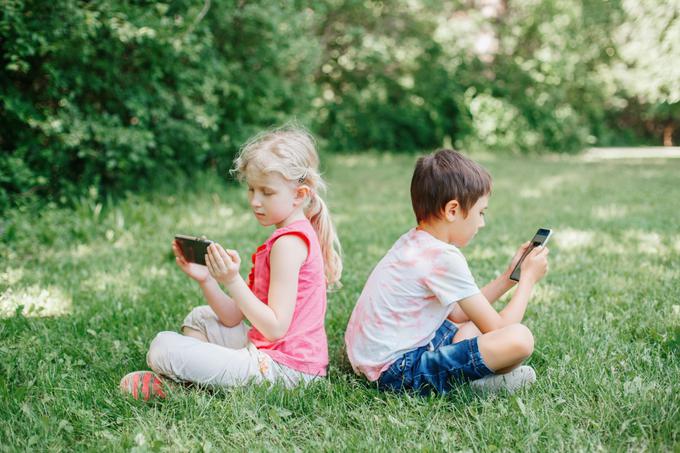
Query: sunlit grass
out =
(96, 283)
(34, 301)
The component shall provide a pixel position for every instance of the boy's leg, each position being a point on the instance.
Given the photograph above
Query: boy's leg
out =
(472, 358)
(465, 331)
(502, 350)
(506, 348)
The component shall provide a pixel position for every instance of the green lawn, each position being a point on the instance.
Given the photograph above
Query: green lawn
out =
(98, 283)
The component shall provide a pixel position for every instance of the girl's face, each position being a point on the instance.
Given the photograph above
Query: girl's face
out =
(274, 199)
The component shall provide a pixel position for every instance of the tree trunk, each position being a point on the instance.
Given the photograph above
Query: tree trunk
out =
(668, 134)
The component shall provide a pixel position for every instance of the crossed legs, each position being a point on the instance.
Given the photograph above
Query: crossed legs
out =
(503, 349)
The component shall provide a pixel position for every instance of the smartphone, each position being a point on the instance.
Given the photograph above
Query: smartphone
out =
(540, 238)
(194, 249)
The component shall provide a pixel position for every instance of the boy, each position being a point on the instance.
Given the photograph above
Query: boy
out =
(421, 322)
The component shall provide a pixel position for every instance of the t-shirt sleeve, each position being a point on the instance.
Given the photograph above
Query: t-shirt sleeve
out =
(451, 279)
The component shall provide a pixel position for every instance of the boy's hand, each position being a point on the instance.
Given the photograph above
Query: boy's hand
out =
(222, 264)
(197, 272)
(535, 265)
(515, 259)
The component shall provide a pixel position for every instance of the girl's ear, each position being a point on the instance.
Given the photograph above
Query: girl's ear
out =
(302, 193)
(451, 209)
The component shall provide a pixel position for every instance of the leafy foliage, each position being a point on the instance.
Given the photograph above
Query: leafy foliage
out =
(115, 94)
(111, 96)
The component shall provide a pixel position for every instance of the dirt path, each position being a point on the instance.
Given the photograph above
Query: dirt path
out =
(646, 152)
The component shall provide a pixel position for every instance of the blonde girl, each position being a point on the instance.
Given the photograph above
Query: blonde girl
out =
(284, 297)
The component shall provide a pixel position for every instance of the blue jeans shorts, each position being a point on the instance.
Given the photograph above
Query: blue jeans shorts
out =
(437, 366)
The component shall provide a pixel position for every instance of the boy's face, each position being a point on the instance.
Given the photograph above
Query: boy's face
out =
(463, 228)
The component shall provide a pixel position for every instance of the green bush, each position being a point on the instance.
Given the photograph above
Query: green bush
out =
(115, 95)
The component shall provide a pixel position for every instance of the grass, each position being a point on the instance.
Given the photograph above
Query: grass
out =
(83, 291)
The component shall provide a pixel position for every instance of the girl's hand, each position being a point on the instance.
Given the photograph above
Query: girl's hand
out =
(197, 272)
(223, 265)
(515, 259)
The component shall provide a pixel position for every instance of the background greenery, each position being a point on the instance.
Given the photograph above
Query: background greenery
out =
(102, 97)
(83, 291)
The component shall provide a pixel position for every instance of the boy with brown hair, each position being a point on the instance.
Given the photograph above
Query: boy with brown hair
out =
(421, 322)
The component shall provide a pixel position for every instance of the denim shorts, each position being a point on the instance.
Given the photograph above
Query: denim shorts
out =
(437, 366)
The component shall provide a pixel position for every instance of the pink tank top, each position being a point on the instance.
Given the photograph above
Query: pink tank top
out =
(304, 347)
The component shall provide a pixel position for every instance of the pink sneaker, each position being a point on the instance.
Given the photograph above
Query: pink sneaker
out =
(143, 384)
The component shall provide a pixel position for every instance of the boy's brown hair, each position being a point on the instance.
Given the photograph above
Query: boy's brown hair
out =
(443, 176)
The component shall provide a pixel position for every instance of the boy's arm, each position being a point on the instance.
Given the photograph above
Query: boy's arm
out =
(486, 318)
(224, 307)
(495, 289)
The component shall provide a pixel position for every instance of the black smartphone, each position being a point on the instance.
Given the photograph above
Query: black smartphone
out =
(194, 249)
(540, 238)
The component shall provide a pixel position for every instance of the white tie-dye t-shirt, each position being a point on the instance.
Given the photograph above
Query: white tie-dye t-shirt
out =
(407, 297)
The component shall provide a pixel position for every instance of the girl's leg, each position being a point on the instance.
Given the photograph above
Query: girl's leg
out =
(189, 332)
(188, 359)
(202, 323)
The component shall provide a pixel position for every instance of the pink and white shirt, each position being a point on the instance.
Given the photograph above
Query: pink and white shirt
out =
(305, 346)
(406, 299)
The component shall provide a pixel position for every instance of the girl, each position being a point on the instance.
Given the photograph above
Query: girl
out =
(284, 298)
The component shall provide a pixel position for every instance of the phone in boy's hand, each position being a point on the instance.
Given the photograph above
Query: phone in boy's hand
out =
(194, 249)
(540, 238)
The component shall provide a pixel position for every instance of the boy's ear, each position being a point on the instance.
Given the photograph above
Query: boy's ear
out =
(451, 209)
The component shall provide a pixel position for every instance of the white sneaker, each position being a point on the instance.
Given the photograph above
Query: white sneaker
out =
(522, 376)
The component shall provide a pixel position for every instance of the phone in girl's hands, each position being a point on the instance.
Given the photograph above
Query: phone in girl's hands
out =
(193, 248)
(540, 238)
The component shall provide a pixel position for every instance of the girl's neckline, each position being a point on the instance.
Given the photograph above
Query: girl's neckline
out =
(292, 223)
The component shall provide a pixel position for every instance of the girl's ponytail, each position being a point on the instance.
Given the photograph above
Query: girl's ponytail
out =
(320, 218)
(291, 151)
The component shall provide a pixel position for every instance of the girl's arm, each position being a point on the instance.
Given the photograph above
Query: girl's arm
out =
(286, 258)
(224, 307)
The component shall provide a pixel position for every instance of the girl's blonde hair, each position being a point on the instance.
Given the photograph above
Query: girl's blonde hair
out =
(291, 152)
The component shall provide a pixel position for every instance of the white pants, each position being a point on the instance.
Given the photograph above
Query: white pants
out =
(227, 359)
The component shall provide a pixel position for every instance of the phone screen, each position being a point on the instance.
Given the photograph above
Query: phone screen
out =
(194, 249)
(540, 238)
